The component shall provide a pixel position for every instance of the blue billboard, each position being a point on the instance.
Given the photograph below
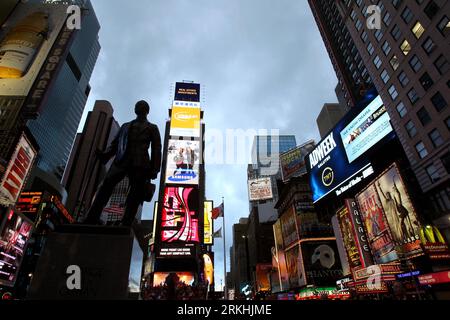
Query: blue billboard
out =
(340, 161)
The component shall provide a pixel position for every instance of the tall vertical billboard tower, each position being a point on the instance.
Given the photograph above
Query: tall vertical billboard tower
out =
(179, 221)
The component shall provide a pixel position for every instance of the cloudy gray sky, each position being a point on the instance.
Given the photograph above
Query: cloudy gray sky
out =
(262, 65)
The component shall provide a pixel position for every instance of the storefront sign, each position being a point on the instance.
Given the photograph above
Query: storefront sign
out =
(435, 278)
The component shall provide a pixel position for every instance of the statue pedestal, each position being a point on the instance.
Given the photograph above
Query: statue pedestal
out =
(103, 255)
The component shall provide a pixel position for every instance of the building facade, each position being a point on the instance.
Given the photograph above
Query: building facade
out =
(354, 78)
(61, 114)
(408, 60)
(330, 115)
(239, 267)
(84, 172)
(266, 152)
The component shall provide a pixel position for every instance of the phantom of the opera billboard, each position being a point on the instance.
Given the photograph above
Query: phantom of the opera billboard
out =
(390, 218)
(341, 160)
(260, 189)
(183, 162)
(13, 242)
(180, 221)
(321, 262)
(292, 162)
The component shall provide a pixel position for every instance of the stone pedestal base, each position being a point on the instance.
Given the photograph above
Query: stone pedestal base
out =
(102, 254)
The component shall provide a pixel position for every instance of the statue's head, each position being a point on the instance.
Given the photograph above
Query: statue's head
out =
(142, 108)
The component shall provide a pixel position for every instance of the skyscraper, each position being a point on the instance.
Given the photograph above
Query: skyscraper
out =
(84, 173)
(329, 116)
(266, 152)
(61, 114)
(350, 69)
(408, 60)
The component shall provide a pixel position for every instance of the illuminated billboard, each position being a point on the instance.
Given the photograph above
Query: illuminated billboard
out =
(208, 223)
(13, 241)
(279, 256)
(29, 204)
(366, 130)
(378, 233)
(289, 227)
(179, 222)
(208, 268)
(338, 163)
(401, 217)
(20, 64)
(354, 235)
(185, 122)
(159, 278)
(348, 238)
(187, 91)
(260, 189)
(183, 162)
(17, 172)
(321, 262)
(263, 273)
(294, 267)
(292, 162)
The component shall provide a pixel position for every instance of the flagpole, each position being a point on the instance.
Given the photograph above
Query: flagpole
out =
(225, 293)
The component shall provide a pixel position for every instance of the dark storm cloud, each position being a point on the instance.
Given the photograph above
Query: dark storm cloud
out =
(262, 64)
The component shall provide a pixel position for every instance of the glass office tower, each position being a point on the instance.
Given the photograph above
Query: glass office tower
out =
(57, 124)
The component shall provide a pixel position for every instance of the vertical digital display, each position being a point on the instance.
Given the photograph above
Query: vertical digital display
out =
(180, 216)
(183, 161)
(17, 172)
(378, 233)
(392, 200)
(208, 223)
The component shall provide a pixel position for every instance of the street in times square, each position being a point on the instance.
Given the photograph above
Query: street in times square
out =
(225, 159)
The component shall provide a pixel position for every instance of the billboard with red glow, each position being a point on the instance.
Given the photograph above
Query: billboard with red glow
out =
(13, 241)
(17, 172)
(179, 222)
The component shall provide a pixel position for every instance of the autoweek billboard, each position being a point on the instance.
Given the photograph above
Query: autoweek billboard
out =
(340, 161)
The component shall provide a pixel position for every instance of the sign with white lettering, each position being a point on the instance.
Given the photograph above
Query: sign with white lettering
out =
(321, 262)
(17, 172)
(339, 162)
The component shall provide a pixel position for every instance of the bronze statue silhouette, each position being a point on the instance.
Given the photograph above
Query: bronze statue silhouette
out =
(130, 148)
